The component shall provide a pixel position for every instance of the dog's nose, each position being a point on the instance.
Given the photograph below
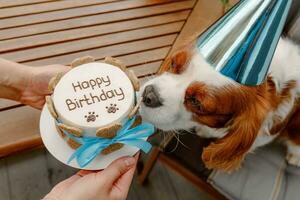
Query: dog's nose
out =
(151, 97)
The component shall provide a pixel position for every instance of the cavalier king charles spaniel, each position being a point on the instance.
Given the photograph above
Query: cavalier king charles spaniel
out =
(191, 94)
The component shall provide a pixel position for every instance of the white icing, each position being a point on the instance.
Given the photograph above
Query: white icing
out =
(83, 94)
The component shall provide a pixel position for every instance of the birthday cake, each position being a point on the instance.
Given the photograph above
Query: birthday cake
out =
(92, 100)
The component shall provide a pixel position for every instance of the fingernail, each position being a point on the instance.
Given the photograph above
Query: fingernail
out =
(129, 161)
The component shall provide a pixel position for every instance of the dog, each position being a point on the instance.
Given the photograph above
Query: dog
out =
(192, 94)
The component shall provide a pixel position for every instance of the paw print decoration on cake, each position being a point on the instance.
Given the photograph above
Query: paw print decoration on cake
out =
(112, 108)
(91, 117)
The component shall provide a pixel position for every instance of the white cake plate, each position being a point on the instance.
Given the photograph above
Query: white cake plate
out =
(62, 152)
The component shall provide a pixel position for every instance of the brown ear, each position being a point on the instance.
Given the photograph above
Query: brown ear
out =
(228, 152)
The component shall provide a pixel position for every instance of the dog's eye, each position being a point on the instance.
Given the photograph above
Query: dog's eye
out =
(194, 101)
(196, 104)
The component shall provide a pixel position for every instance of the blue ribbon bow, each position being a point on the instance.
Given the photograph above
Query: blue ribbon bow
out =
(92, 146)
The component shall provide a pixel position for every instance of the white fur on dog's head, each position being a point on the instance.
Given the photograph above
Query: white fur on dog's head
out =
(172, 87)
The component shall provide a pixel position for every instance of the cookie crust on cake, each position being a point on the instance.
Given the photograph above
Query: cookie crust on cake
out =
(112, 148)
(73, 144)
(54, 80)
(109, 131)
(82, 60)
(50, 106)
(72, 130)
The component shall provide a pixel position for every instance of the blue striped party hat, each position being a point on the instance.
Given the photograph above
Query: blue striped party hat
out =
(241, 44)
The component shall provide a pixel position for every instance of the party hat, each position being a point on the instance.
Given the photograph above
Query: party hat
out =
(241, 44)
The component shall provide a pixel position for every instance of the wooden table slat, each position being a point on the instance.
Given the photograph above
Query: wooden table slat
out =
(18, 126)
(92, 20)
(48, 7)
(144, 57)
(113, 50)
(80, 12)
(94, 42)
(151, 68)
(10, 3)
(5, 103)
(80, 33)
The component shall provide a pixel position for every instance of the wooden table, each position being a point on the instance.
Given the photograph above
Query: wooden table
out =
(141, 33)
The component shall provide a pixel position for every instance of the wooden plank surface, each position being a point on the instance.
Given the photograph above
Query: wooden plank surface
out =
(5, 103)
(94, 20)
(15, 3)
(112, 50)
(74, 14)
(19, 129)
(140, 59)
(90, 43)
(48, 7)
(75, 34)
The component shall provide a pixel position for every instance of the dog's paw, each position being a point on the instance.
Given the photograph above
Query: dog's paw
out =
(206, 132)
(293, 159)
(202, 133)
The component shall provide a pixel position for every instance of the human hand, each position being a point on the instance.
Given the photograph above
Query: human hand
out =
(111, 183)
(36, 84)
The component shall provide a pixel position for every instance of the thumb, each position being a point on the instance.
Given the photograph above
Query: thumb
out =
(116, 169)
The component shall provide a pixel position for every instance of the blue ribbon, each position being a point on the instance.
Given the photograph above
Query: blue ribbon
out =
(92, 146)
